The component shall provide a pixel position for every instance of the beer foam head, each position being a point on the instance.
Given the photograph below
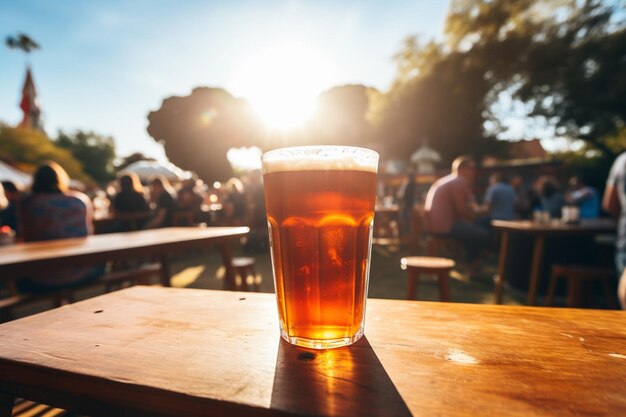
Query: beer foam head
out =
(304, 158)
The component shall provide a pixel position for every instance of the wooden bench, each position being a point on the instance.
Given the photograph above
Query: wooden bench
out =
(115, 280)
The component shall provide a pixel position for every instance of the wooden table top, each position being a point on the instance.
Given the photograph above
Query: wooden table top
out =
(556, 227)
(164, 351)
(96, 248)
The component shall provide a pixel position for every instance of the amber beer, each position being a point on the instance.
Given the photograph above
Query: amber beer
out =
(320, 211)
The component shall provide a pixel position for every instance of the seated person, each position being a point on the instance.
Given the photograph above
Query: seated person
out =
(451, 208)
(8, 214)
(163, 197)
(551, 196)
(190, 200)
(51, 212)
(500, 198)
(130, 198)
(5, 231)
(583, 196)
(234, 203)
(4, 201)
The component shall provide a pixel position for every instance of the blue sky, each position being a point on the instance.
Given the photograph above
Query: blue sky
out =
(104, 65)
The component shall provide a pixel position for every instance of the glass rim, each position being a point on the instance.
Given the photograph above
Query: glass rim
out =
(320, 157)
(301, 148)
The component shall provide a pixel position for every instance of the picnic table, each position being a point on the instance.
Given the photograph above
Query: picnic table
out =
(180, 352)
(541, 232)
(22, 259)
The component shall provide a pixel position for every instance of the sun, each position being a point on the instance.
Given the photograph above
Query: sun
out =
(282, 82)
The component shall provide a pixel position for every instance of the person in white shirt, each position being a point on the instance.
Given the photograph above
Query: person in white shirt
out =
(614, 202)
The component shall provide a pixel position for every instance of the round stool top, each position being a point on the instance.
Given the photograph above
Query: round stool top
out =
(426, 262)
(242, 261)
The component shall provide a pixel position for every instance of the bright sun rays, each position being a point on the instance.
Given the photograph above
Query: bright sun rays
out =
(282, 82)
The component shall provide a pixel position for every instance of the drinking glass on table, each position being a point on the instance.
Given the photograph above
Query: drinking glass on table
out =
(320, 212)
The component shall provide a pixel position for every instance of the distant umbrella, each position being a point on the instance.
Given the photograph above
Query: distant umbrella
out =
(147, 169)
(8, 173)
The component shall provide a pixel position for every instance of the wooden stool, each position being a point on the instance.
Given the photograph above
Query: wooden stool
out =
(576, 276)
(244, 267)
(438, 266)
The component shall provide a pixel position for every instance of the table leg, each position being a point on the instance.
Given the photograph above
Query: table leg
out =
(6, 404)
(413, 280)
(575, 297)
(444, 286)
(165, 271)
(535, 270)
(227, 261)
(499, 278)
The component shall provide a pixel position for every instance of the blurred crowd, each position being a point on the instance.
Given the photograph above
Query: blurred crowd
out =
(506, 198)
(451, 208)
(52, 209)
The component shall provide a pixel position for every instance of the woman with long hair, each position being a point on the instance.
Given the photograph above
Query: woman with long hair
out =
(52, 211)
(163, 197)
(130, 198)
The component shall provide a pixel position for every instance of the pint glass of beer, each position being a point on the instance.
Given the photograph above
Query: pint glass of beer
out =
(320, 211)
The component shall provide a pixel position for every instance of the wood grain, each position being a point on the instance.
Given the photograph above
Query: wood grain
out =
(164, 351)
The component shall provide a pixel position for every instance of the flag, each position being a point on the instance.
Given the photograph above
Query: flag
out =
(30, 103)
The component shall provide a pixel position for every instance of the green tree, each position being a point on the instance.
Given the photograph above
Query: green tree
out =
(341, 117)
(196, 131)
(95, 152)
(564, 59)
(438, 95)
(32, 147)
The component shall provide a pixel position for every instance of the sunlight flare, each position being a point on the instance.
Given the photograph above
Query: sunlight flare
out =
(282, 83)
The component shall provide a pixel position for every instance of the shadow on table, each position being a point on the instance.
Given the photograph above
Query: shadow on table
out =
(343, 381)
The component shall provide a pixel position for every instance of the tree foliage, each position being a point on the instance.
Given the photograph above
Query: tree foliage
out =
(564, 59)
(577, 78)
(342, 117)
(196, 131)
(33, 147)
(437, 96)
(95, 152)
